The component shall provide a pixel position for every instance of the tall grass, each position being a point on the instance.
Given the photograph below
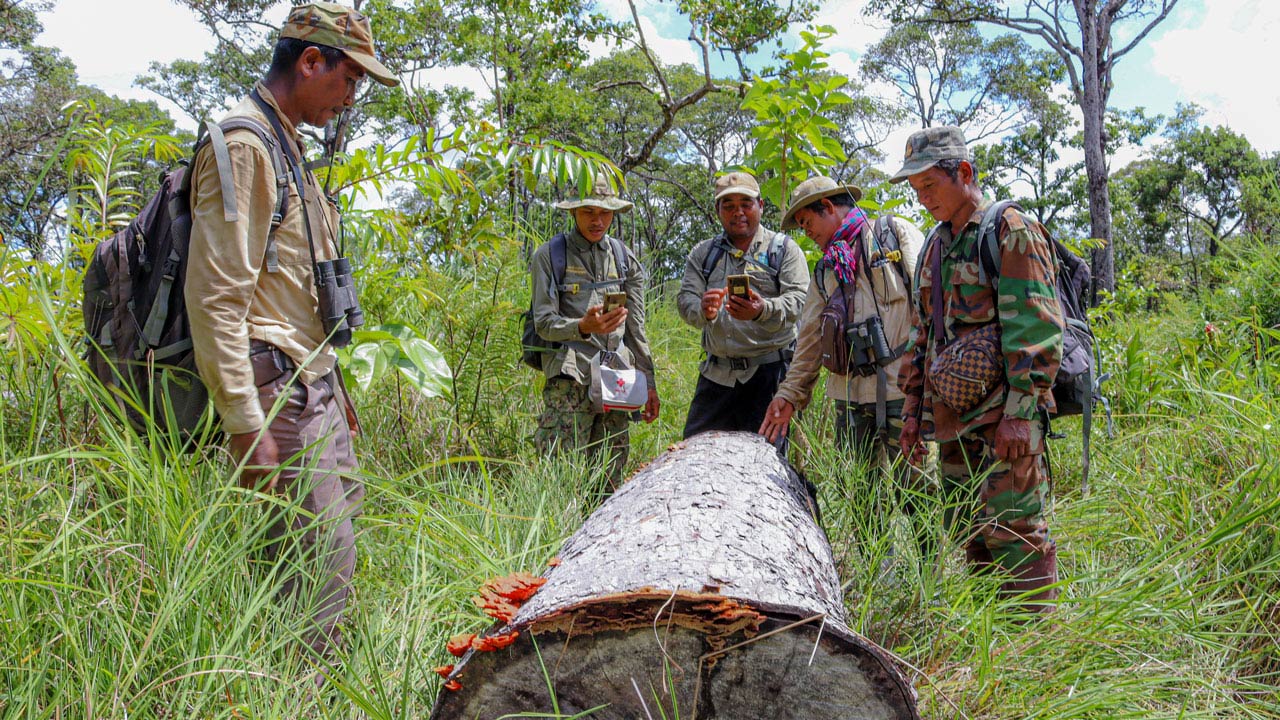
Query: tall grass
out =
(128, 589)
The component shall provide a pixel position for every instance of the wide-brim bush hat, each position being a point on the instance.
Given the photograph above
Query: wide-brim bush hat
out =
(602, 195)
(813, 190)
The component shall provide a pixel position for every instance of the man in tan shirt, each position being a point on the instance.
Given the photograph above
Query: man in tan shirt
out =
(748, 339)
(876, 279)
(261, 346)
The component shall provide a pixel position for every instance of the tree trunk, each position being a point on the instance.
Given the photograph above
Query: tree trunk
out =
(1095, 78)
(703, 589)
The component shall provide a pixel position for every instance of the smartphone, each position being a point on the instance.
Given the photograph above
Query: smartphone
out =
(614, 300)
(740, 286)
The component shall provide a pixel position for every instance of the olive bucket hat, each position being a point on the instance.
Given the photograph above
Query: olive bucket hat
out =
(926, 147)
(813, 190)
(338, 26)
(602, 195)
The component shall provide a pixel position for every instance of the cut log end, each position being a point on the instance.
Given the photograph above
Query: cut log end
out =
(702, 589)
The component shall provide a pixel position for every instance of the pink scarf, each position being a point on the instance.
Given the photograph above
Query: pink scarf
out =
(839, 253)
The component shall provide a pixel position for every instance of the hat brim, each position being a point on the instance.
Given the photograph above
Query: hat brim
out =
(375, 69)
(617, 205)
(738, 190)
(788, 220)
(912, 167)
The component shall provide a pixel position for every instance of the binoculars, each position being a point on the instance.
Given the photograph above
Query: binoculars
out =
(868, 346)
(339, 308)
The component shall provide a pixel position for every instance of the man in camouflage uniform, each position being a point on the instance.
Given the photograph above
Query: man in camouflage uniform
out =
(868, 406)
(260, 344)
(570, 311)
(994, 451)
(748, 340)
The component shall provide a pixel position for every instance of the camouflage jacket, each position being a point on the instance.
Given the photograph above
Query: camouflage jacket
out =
(1026, 307)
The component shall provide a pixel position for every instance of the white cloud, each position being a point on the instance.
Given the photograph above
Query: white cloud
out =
(1223, 62)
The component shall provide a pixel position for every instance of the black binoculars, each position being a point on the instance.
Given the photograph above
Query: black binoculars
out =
(339, 308)
(868, 346)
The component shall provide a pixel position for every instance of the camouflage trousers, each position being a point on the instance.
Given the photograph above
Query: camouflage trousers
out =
(569, 424)
(996, 509)
(877, 450)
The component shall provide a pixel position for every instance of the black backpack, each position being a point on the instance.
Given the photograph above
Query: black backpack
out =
(135, 315)
(533, 345)
(1077, 386)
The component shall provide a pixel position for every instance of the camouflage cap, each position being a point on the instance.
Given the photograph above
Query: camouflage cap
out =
(926, 147)
(338, 26)
(602, 196)
(812, 190)
(737, 183)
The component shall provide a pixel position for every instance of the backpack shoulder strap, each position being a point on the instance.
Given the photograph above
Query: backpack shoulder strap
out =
(712, 259)
(989, 237)
(886, 234)
(557, 249)
(773, 255)
(278, 165)
(620, 258)
(214, 134)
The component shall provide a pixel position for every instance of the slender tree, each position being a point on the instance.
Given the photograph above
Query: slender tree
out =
(1091, 37)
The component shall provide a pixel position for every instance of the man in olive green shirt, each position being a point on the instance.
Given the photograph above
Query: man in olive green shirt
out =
(569, 311)
(748, 339)
(260, 344)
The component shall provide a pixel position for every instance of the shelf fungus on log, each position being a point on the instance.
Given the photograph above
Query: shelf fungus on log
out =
(702, 588)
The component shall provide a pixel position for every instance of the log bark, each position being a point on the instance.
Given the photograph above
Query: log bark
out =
(703, 588)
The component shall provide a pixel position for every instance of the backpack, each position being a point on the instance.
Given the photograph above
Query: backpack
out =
(138, 337)
(772, 257)
(532, 345)
(1077, 386)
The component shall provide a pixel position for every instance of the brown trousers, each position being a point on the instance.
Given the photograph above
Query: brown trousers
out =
(312, 539)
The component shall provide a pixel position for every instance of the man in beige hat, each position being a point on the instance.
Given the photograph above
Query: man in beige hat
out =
(261, 228)
(994, 473)
(867, 267)
(569, 313)
(749, 337)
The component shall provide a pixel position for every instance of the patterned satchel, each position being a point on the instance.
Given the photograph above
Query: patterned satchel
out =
(968, 369)
(965, 372)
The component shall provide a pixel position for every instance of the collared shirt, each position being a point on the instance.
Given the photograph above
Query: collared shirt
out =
(231, 297)
(887, 295)
(556, 314)
(727, 337)
(1026, 307)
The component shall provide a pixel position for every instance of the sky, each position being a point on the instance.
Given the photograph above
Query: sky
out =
(1220, 60)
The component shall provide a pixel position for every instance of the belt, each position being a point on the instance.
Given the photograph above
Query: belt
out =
(783, 355)
(260, 351)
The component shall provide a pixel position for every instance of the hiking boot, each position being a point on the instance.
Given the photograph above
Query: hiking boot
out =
(978, 559)
(1042, 572)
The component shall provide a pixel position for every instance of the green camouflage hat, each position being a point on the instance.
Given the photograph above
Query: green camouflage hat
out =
(926, 147)
(812, 190)
(338, 26)
(737, 183)
(602, 196)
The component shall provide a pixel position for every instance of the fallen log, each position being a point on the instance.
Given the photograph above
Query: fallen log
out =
(701, 589)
